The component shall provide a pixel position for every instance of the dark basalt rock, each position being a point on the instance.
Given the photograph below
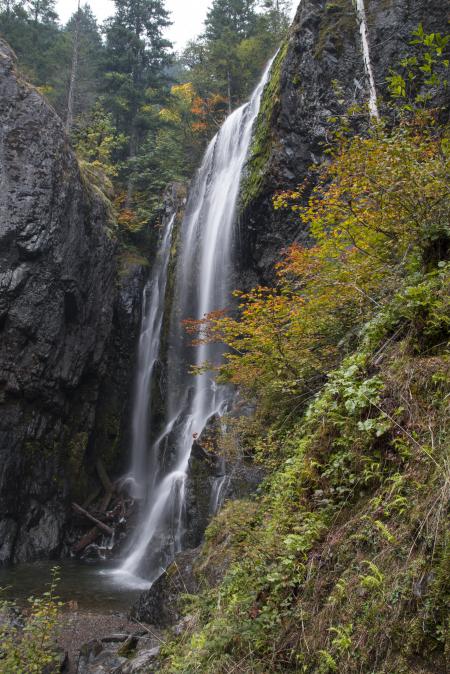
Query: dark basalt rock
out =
(322, 75)
(61, 313)
(161, 604)
(137, 656)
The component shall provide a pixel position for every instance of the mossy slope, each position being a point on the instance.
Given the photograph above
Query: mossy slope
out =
(341, 564)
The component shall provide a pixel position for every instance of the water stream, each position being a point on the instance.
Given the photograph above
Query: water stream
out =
(159, 469)
(141, 474)
(361, 11)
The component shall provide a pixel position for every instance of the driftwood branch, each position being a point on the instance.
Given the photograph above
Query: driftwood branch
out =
(104, 478)
(101, 525)
(90, 537)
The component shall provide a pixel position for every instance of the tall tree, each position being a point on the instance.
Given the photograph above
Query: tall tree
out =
(73, 70)
(233, 19)
(42, 11)
(86, 51)
(136, 55)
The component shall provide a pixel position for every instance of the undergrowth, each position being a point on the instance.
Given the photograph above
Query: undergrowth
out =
(27, 637)
(340, 562)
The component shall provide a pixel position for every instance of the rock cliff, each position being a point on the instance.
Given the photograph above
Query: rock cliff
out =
(63, 317)
(318, 75)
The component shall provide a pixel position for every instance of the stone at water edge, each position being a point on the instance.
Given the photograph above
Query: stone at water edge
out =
(141, 664)
(95, 659)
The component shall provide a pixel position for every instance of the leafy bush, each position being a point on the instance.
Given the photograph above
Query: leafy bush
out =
(380, 218)
(27, 642)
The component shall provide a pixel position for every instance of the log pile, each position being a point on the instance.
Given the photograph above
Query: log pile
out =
(111, 511)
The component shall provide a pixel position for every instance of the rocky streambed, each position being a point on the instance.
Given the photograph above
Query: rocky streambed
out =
(95, 634)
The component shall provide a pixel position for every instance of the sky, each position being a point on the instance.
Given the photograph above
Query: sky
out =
(187, 16)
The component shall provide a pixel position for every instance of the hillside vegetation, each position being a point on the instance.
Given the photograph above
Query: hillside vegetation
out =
(341, 562)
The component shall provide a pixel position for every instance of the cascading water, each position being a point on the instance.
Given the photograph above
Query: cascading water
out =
(204, 269)
(140, 477)
(361, 11)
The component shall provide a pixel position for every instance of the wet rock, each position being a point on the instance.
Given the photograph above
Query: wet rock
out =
(322, 75)
(95, 659)
(115, 638)
(161, 604)
(145, 662)
(128, 647)
(65, 314)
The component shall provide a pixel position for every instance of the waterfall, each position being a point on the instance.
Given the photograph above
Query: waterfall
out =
(361, 11)
(148, 353)
(203, 284)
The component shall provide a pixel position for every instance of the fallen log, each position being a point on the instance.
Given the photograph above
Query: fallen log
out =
(100, 525)
(87, 539)
(104, 477)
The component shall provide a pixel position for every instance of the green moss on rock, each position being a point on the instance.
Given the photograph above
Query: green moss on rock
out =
(263, 137)
(338, 24)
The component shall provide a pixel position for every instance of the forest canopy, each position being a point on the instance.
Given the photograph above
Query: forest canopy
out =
(140, 114)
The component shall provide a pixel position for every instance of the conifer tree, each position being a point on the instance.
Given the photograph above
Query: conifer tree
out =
(231, 19)
(42, 11)
(136, 56)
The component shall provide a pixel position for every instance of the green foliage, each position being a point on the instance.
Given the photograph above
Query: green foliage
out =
(29, 647)
(262, 143)
(97, 140)
(238, 40)
(135, 56)
(423, 72)
(294, 593)
(337, 564)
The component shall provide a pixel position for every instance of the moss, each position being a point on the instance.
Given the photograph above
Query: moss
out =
(99, 187)
(263, 136)
(171, 278)
(339, 23)
(130, 257)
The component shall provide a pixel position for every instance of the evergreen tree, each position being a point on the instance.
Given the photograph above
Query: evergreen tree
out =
(136, 55)
(239, 37)
(31, 29)
(85, 66)
(233, 20)
(42, 11)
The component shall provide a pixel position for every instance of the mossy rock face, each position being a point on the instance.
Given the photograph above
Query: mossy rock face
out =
(338, 26)
(263, 138)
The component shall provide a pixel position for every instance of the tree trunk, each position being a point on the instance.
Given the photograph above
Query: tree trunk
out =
(73, 73)
(229, 92)
(101, 525)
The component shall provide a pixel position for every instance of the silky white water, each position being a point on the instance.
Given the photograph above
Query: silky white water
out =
(203, 284)
(361, 11)
(148, 353)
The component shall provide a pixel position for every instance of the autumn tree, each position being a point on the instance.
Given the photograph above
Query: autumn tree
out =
(379, 215)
